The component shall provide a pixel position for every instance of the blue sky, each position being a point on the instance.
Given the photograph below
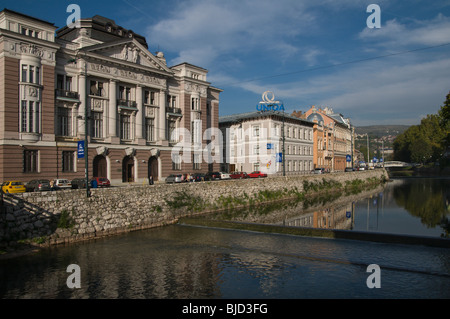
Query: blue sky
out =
(306, 52)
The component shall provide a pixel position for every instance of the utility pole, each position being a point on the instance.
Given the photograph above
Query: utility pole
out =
(367, 150)
(86, 130)
(283, 154)
(86, 123)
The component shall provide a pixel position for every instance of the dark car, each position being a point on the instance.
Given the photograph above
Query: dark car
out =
(238, 175)
(78, 183)
(100, 182)
(198, 177)
(38, 185)
(212, 176)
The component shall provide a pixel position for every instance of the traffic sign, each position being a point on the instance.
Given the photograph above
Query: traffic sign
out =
(348, 158)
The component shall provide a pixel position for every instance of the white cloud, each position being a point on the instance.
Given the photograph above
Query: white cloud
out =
(393, 33)
(230, 27)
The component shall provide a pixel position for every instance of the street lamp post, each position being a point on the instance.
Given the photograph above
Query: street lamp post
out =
(283, 158)
(86, 126)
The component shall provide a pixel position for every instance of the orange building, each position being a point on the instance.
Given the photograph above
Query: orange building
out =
(333, 139)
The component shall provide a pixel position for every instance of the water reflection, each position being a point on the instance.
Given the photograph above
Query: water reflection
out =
(191, 262)
(415, 206)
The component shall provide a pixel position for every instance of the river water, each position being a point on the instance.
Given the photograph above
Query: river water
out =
(190, 262)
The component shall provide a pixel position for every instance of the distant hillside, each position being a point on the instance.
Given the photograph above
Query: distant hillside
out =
(381, 130)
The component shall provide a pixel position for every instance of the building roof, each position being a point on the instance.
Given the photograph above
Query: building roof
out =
(27, 16)
(234, 118)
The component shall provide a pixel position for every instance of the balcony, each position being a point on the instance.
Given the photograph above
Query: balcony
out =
(64, 94)
(174, 111)
(126, 104)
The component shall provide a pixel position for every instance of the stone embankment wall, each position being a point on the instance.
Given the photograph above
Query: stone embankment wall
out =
(67, 216)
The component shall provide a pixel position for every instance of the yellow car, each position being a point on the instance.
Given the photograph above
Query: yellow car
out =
(13, 187)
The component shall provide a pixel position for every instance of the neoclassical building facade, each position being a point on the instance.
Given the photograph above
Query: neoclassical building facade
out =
(253, 140)
(51, 78)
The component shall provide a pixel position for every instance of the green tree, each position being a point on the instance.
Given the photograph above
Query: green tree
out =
(427, 141)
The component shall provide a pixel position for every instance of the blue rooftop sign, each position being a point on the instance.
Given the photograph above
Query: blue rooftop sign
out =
(268, 103)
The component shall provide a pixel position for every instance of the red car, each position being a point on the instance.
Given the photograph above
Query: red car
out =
(101, 181)
(256, 174)
(238, 175)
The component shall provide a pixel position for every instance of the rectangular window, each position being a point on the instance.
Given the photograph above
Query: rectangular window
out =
(60, 81)
(96, 88)
(124, 93)
(150, 98)
(171, 101)
(31, 74)
(150, 129)
(30, 161)
(23, 127)
(64, 122)
(37, 118)
(38, 75)
(197, 160)
(68, 86)
(195, 105)
(172, 127)
(68, 161)
(255, 130)
(97, 124)
(176, 162)
(125, 127)
(24, 73)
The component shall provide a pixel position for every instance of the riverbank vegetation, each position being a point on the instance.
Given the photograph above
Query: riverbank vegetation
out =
(324, 188)
(428, 142)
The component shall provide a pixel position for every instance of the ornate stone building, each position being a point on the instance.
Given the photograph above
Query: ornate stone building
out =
(134, 101)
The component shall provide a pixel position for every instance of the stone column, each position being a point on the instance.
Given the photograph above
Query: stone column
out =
(140, 116)
(161, 129)
(112, 122)
(82, 106)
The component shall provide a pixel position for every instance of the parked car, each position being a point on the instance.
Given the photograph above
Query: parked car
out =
(239, 175)
(211, 176)
(173, 178)
(349, 169)
(13, 187)
(198, 177)
(101, 181)
(257, 174)
(38, 185)
(62, 183)
(319, 171)
(224, 175)
(77, 183)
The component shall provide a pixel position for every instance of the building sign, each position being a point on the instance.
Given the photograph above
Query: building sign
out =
(268, 103)
(80, 149)
(279, 157)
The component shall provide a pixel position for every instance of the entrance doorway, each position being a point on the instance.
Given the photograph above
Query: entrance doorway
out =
(100, 166)
(128, 169)
(153, 168)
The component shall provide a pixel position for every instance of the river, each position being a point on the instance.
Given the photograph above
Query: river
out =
(191, 262)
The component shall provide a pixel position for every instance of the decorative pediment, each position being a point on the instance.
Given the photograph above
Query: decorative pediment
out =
(130, 50)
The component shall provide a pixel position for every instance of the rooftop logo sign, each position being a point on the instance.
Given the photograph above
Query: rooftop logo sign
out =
(268, 103)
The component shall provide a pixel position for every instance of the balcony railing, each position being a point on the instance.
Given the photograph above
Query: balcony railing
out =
(174, 110)
(66, 94)
(126, 103)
